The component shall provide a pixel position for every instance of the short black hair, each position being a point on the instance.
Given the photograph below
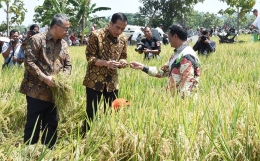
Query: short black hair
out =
(205, 32)
(33, 26)
(58, 19)
(179, 30)
(13, 31)
(118, 16)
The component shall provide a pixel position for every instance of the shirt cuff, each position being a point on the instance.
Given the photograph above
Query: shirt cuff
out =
(145, 69)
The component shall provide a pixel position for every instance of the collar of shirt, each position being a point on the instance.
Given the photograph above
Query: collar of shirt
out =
(49, 36)
(180, 48)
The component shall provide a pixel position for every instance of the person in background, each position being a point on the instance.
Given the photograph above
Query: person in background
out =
(34, 29)
(47, 54)
(256, 23)
(182, 69)
(12, 51)
(94, 27)
(106, 52)
(204, 45)
(163, 36)
(73, 38)
(152, 46)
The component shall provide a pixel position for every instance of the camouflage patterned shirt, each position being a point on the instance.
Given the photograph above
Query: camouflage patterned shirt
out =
(43, 57)
(102, 45)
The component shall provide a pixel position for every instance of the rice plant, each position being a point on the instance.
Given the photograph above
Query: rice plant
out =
(221, 124)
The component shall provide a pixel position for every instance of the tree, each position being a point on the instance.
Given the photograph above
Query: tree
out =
(201, 19)
(44, 14)
(135, 19)
(165, 11)
(84, 9)
(17, 9)
(240, 7)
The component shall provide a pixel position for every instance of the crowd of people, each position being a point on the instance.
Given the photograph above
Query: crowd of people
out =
(46, 54)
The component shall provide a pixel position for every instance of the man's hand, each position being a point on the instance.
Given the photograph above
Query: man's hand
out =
(136, 65)
(113, 64)
(206, 41)
(48, 81)
(15, 58)
(123, 63)
(146, 50)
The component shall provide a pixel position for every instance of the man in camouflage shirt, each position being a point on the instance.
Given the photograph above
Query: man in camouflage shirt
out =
(106, 52)
(182, 69)
(46, 54)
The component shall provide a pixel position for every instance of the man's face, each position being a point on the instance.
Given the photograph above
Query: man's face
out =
(147, 33)
(36, 29)
(116, 29)
(255, 13)
(15, 36)
(172, 39)
(62, 30)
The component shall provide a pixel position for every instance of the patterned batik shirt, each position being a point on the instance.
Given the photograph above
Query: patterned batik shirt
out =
(43, 57)
(102, 45)
(183, 74)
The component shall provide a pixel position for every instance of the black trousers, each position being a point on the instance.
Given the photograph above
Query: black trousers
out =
(93, 99)
(41, 115)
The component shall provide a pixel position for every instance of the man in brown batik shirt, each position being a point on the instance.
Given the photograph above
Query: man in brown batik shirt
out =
(46, 54)
(106, 52)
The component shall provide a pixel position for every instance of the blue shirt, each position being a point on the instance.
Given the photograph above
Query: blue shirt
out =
(19, 53)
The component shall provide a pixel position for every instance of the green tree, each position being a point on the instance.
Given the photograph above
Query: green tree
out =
(165, 11)
(135, 19)
(240, 7)
(44, 14)
(84, 9)
(201, 19)
(14, 8)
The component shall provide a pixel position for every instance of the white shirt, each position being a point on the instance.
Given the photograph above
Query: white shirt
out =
(256, 23)
(138, 33)
(160, 31)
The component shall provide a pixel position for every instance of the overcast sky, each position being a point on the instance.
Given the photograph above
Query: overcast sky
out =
(126, 6)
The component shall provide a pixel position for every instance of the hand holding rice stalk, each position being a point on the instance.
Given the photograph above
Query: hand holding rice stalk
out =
(63, 92)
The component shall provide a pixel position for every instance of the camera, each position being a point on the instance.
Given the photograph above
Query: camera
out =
(203, 38)
(140, 47)
(12, 41)
(34, 32)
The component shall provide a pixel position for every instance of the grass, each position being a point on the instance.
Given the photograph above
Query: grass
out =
(222, 124)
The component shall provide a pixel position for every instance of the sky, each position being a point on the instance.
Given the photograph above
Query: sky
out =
(126, 6)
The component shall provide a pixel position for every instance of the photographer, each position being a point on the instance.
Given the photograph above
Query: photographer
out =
(204, 45)
(34, 29)
(12, 51)
(151, 46)
(256, 23)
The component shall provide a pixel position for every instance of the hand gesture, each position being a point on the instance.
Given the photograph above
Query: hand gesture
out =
(123, 63)
(49, 82)
(146, 51)
(136, 65)
(113, 64)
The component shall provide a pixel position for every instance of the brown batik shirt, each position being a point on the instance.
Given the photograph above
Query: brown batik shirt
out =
(102, 45)
(43, 57)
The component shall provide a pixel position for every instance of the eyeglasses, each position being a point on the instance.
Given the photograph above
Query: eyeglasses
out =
(65, 29)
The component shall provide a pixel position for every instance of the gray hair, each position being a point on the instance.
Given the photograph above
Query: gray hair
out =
(59, 19)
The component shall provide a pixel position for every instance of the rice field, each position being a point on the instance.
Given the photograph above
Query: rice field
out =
(223, 123)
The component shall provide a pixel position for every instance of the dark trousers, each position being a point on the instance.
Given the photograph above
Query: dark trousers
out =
(40, 115)
(93, 99)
